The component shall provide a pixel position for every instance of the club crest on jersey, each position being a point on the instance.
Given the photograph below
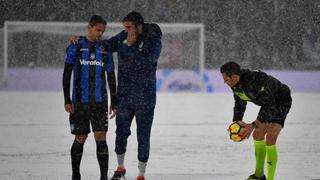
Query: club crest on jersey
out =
(103, 50)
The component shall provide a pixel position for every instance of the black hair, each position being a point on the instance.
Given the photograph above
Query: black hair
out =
(134, 17)
(96, 19)
(230, 68)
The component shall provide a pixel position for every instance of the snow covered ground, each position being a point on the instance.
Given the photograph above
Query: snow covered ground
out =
(189, 140)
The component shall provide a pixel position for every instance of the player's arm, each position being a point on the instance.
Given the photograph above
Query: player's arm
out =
(239, 108)
(117, 40)
(151, 48)
(150, 52)
(112, 83)
(68, 67)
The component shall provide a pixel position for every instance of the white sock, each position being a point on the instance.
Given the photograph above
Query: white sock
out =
(120, 158)
(142, 168)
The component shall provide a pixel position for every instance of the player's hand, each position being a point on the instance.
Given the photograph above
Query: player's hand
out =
(132, 38)
(69, 108)
(248, 128)
(112, 112)
(73, 39)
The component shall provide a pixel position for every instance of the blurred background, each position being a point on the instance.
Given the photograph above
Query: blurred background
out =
(281, 35)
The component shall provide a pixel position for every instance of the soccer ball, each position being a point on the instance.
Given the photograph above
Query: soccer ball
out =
(234, 129)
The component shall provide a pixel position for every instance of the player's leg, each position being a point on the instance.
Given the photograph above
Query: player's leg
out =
(271, 148)
(260, 149)
(80, 127)
(144, 118)
(123, 122)
(99, 122)
(102, 153)
(76, 155)
(275, 126)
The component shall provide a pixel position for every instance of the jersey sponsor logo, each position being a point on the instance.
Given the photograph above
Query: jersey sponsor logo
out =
(91, 63)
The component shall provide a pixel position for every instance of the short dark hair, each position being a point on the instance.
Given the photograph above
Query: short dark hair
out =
(230, 68)
(96, 19)
(134, 17)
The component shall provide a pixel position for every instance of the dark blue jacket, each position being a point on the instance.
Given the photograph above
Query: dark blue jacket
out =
(137, 66)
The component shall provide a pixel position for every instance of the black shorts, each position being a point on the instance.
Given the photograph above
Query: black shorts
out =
(84, 114)
(283, 107)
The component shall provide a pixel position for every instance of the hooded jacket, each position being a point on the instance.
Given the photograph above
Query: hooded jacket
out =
(137, 65)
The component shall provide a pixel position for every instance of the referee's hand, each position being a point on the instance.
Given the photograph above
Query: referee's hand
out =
(69, 108)
(246, 132)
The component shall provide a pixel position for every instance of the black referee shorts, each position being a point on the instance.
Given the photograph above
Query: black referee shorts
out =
(84, 114)
(283, 102)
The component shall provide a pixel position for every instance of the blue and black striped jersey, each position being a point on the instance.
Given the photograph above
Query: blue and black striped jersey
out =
(89, 61)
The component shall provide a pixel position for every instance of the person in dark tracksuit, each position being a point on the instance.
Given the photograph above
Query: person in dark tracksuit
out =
(89, 60)
(138, 47)
(275, 100)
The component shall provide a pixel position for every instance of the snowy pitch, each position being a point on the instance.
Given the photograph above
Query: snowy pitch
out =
(189, 140)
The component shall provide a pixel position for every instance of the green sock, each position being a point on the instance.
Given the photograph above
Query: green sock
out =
(272, 158)
(260, 152)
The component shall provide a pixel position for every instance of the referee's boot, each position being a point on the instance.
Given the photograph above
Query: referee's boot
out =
(254, 177)
(76, 176)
